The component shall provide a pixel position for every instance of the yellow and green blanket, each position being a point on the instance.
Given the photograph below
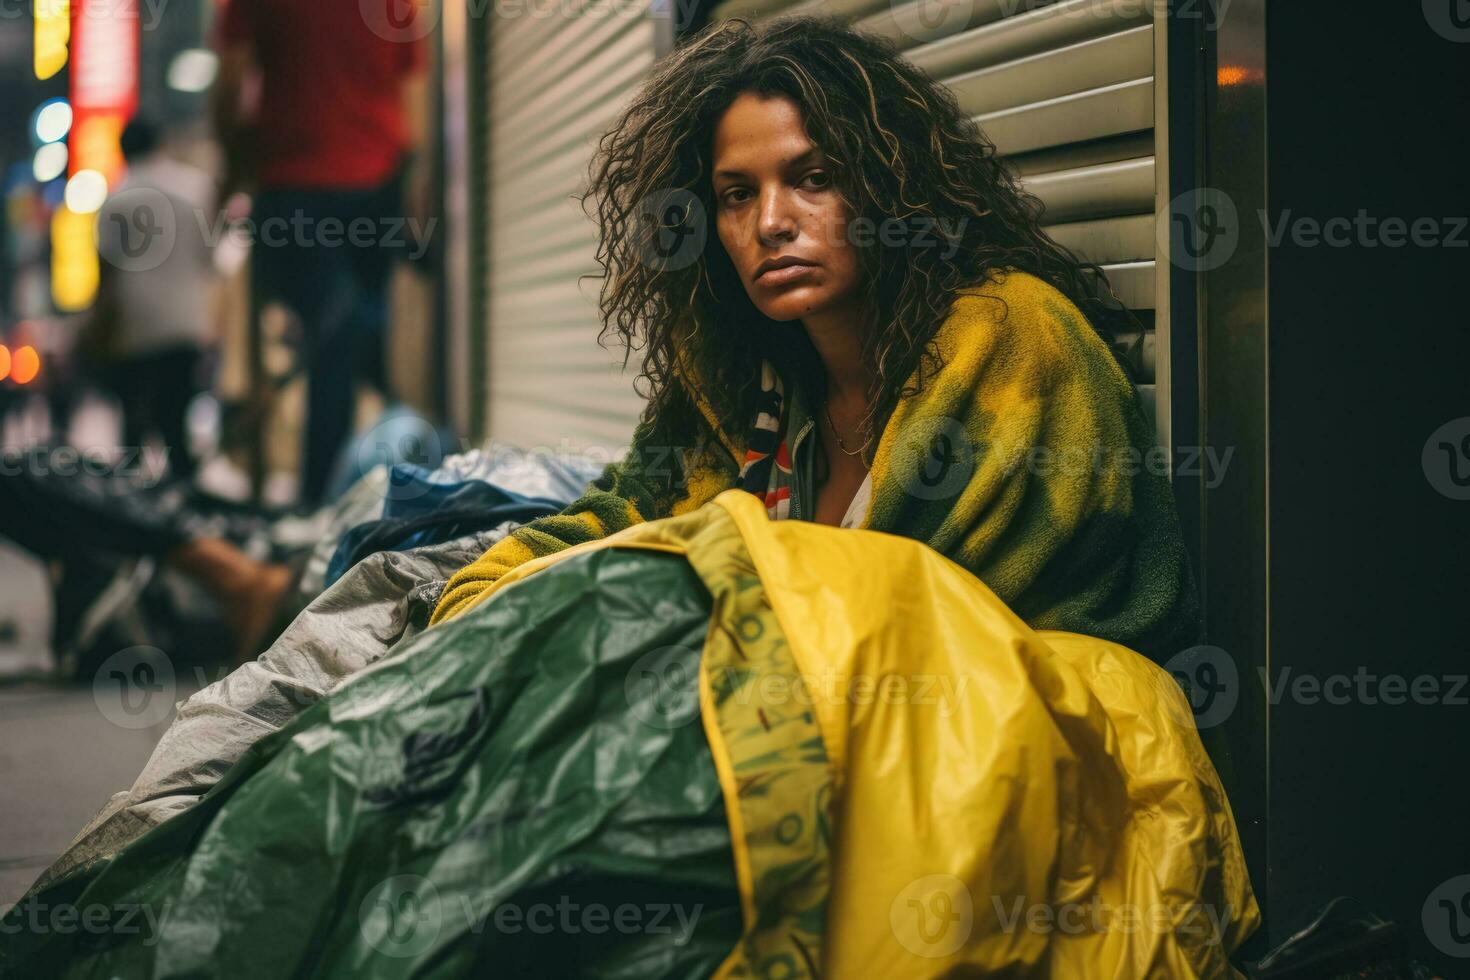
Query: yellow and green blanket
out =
(1027, 460)
(709, 745)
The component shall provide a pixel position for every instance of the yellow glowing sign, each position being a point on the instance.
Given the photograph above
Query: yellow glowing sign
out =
(74, 263)
(53, 34)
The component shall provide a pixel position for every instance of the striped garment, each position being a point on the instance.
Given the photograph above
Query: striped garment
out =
(767, 471)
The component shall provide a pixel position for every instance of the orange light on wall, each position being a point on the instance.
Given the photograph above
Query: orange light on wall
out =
(52, 35)
(96, 144)
(25, 365)
(4, 362)
(1228, 75)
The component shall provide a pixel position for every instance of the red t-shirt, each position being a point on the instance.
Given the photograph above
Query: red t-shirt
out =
(330, 111)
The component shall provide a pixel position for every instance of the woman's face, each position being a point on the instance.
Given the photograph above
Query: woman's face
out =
(779, 216)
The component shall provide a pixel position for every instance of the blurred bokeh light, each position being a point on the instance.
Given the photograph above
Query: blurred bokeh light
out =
(49, 162)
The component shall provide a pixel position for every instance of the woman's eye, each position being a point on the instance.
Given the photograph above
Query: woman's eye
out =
(818, 178)
(735, 195)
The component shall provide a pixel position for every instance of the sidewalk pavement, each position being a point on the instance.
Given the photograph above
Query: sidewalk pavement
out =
(60, 760)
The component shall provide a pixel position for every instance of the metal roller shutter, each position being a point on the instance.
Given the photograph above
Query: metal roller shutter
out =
(554, 83)
(1069, 93)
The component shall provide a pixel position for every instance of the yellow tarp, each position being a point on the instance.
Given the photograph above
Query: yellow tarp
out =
(977, 798)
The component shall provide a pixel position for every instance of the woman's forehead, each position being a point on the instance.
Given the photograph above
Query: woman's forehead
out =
(761, 131)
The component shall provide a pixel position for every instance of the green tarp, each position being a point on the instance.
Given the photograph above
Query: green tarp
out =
(525, 791)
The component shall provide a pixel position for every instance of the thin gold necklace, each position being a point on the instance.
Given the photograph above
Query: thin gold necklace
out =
(840, 444)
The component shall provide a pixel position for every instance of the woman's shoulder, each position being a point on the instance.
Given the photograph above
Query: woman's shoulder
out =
(1012, 298)
(1023, 313)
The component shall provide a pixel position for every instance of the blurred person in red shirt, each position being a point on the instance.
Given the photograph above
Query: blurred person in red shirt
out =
(326, 140)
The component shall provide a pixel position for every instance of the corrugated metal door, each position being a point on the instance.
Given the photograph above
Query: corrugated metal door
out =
(555, 83)
(1067, 91)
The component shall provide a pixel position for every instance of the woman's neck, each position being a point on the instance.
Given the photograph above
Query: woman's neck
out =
(837, 337)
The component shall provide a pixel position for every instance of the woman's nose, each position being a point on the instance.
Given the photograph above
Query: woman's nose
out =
(777, 219)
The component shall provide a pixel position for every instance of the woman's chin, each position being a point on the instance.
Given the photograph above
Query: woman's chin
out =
(793, 304)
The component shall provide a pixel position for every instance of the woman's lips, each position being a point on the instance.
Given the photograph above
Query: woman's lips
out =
(784, 275)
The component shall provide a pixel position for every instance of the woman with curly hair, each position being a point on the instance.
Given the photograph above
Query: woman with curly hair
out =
(845, 307)
(844, 304)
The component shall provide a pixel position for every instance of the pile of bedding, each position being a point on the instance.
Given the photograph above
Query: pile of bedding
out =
(712, 744)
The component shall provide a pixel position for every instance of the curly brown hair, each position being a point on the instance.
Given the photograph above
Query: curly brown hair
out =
(899, 147)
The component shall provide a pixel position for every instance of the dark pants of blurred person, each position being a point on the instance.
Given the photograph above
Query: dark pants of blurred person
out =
(155, 390)
(327, 256)
(93, 522)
